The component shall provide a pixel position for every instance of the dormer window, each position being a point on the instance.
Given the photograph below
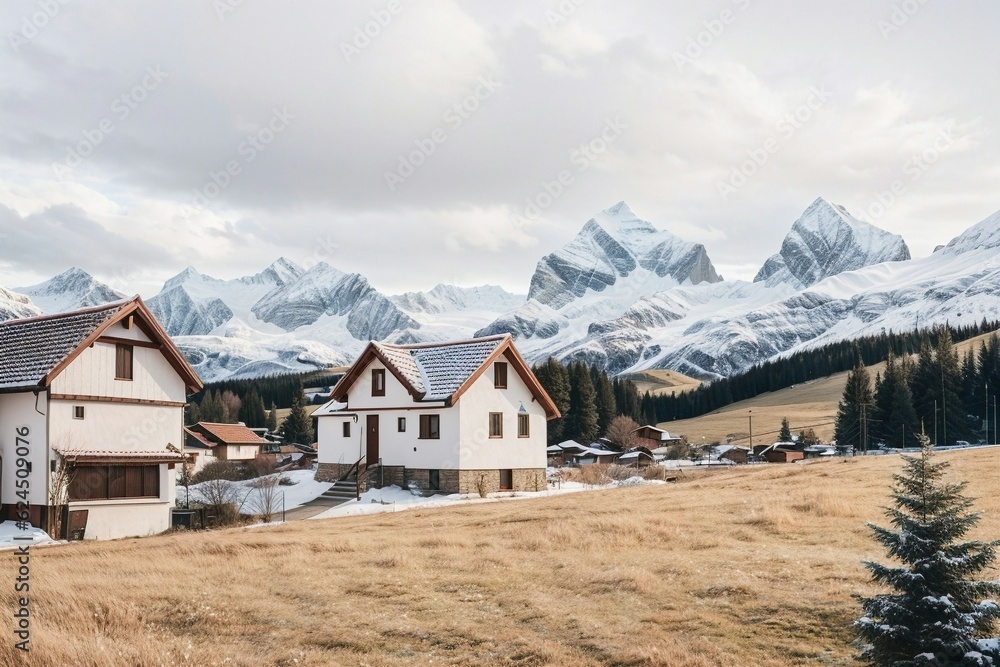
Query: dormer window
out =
(378, 382)
(500, 375)
(123, 361)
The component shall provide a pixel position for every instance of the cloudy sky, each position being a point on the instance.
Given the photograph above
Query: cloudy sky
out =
(459, 141)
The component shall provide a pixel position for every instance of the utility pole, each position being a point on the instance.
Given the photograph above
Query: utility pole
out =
(935, 423)
(944, 406)
(988, 414)
(994, 420)
(864, 430)
(751, 433)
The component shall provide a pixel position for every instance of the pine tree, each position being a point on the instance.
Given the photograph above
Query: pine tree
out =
(607, 406)
(582, 422)
(855, 409)
(554, 378)
(272, 419)
(786, 431)
(252, 411)
(297, 427)
(896, 421)
(953, 422)
(934, 613)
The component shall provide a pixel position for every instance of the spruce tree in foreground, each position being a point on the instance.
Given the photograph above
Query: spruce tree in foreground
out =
(935, 612)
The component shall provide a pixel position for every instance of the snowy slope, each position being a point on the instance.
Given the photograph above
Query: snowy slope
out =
(70, 290)
(827, 241)
(15, 306)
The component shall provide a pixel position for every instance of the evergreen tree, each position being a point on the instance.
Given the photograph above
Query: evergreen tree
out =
(855, 409)
(896, 422)
(925, 385)
(252, 411)
(272, 419)
(582, 421)
(935, 611)
(607, 406)
(786, 431)
(953, 423)
(554, 378)
(297, 427)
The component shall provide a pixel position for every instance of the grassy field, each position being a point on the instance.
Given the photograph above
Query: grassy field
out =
(808, 404)
(751, 567)
(663, 381)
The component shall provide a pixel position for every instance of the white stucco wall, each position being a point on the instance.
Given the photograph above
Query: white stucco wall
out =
(481, 452)
(18, 411)
(125, 427)
(93, 374)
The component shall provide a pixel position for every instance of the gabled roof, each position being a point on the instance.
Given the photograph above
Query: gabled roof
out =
(442, 372)
(228, 434)
(35, 350)
(195, 439)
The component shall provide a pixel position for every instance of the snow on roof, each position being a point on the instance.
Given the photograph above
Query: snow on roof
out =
(329, 408)
(438, 370)
(32, 348)
(100, 455)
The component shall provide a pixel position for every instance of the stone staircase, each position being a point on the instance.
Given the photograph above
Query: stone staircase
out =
(340, 492)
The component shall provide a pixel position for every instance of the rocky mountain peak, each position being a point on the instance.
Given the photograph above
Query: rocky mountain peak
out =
(826, 241)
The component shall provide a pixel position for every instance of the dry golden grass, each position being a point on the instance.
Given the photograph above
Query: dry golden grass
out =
(658, 381)
(752, 567)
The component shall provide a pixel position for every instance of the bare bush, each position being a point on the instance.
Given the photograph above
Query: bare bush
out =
(265, 497)
(595, 474)
(261, 466)
(221, 497)
(657, 472)
(621, 432)
(482, 486)
(620, 473)
(225, 470)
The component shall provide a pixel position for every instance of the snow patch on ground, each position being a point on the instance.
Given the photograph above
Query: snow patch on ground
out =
(9, 531)
(304, 488)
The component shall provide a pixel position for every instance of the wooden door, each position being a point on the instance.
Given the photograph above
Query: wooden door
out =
(371, 457)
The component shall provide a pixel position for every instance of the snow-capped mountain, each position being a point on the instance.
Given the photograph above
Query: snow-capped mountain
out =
(617, 248)
(451, 298)
(616, 259)
(835, 278)
(827, 241)
(15, 306)
(70, 290)
(622, 294)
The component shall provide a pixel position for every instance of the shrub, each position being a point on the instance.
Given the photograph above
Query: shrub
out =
(595, 474)
(286, 481)
(620, 473)
(221, 496)
(264, 499)
(482, 486)
(261, 466)
(226, 470)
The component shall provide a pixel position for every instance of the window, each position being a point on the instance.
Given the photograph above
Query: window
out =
(123, 362)
(500, 375)
(347, 429)
(506, 480)
(524, 426)
(115, 482)
(378, 382)
(496, 424)
(79, 412)
(401, 424)
(434, 480)
(430, 427)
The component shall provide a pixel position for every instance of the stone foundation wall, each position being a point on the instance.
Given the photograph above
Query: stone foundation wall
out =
(331, 472)
(448, 480)
(523, 479)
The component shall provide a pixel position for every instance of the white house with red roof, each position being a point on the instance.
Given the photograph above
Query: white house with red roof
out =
(444, 416)
(101, 391)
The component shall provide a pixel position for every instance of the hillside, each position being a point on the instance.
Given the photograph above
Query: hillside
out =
(808, 404)
(758, 566)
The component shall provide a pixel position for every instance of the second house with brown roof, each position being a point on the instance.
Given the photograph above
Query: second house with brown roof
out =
(221, 442)
(448, 417)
